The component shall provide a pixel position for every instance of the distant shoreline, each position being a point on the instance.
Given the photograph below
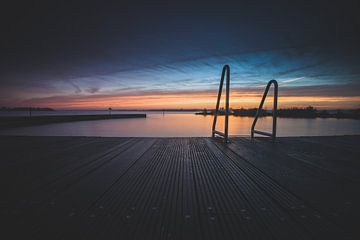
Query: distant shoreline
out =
(26, 109)
(26, 121)
(308, 112)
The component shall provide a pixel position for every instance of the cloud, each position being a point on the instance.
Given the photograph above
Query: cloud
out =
(336, 90)
(92, 90)
(250, 70)
(77, 88)
(292, 80)
(249, 97)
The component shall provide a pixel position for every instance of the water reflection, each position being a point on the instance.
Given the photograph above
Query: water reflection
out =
(188, 125)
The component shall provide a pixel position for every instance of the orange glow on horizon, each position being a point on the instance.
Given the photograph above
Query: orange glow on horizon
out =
(188, 101)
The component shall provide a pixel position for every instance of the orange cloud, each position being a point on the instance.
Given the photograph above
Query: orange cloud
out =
(205, 99)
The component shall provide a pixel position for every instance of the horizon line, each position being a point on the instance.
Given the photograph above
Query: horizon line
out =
(159, 109)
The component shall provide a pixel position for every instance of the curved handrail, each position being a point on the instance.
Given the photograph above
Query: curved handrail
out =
(225, 134)
(253, 130)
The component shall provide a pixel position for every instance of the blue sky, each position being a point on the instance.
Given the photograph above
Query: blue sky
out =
(57, 52)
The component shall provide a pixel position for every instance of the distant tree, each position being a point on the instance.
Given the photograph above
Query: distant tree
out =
(308, 112)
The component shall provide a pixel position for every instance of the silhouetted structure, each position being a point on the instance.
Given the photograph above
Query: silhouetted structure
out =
(25, 109)
(24, 121)
(225, 73)
(274, 111)
(308, 112)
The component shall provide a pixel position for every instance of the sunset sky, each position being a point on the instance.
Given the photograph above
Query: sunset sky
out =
(153, 55)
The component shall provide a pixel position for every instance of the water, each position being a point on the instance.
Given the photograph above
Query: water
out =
(182, 124)
(64, 112)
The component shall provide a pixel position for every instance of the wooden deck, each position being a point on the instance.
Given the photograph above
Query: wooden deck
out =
(179, 188)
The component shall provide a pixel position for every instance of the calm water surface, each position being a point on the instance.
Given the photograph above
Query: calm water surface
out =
(180, 124)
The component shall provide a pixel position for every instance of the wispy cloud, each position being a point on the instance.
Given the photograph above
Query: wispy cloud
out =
(292, 80)
(321, 95)
(92, 90)
(250, 71)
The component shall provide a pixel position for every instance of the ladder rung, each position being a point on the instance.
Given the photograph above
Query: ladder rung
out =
(219, 133)
(263, 133)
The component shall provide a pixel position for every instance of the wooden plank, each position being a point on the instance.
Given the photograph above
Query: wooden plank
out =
(179, 188)
(289, 209)
(335, 197)
(20, 151)
(32, 177)
(341, 162)
(137, 201)
(341, 143)
(78, 191)
(226, 213)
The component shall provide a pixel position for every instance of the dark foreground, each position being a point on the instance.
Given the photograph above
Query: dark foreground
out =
(25, 121)
(179, 188)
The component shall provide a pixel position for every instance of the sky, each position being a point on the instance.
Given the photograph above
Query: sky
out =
(155, 55)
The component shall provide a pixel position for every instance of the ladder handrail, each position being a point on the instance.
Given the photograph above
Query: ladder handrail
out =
(273, 134)
(225, 71)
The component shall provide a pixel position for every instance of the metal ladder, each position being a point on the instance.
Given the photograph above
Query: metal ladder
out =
(274, 113)
(225, 134)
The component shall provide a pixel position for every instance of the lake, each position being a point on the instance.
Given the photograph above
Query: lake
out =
(180, 124)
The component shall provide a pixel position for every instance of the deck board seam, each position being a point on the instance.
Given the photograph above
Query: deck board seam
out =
(310, 205)
(272, 197)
